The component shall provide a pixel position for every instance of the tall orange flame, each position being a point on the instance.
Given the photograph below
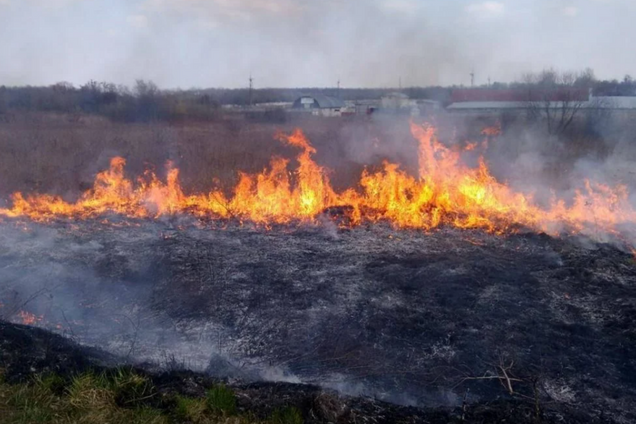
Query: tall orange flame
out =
(445, 192)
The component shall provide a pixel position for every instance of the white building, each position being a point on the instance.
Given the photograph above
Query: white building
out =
(395, 101)
(320, 105)
(616, 103)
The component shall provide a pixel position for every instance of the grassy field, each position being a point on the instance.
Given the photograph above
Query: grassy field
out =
(55, 154)
(121, 396)
(60, 154)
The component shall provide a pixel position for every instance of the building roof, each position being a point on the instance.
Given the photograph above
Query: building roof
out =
(488, 105)
(616, 102)
(325, 102)
(596, 102)
(396, 94)
(518, 94)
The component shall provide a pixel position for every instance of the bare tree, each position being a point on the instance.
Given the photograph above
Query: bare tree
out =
(147, 95)
(558, 97)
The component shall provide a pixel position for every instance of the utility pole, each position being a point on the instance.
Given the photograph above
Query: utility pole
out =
(250, 91)
(400, 84)
(472, 78)
(338, 89)
(488, 81)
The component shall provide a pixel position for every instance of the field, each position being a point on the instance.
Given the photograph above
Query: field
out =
(60, 155)
(445, 325)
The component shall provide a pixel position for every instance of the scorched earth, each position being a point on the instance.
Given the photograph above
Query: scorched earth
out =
(415, 318)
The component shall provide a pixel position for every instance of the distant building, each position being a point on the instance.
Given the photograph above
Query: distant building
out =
(321, 105)
(427, 106)
(625, 104)
(401, 103)
(365, 107)
(489, 101)
(395, 101)
(488, 107)
(475, 95)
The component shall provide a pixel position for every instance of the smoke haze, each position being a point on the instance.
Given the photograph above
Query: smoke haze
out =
(308, 43)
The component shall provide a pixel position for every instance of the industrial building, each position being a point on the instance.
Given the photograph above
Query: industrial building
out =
(320, 105)
(480, 101)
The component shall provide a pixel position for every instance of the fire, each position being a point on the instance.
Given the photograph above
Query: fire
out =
(445, 192)
(27, 318)
(492, 131)
(471, 146)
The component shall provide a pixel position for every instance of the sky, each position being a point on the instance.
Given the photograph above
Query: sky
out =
(310, 43)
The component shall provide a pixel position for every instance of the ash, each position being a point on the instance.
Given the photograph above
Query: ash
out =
(413, 318)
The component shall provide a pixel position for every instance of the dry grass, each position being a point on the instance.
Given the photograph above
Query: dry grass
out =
(60, 154)
(54, 154)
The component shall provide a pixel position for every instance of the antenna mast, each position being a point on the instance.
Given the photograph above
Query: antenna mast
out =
(250, 91)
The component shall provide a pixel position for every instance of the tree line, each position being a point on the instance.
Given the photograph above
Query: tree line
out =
(145, 102)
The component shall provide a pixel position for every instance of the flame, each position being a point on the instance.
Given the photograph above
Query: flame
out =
(492, 131)
(445, 192)
(27, 318)
(470, 146)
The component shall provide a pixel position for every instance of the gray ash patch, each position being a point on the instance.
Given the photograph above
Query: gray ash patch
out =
(404, 316)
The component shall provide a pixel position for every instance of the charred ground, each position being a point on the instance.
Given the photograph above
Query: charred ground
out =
(525, 321)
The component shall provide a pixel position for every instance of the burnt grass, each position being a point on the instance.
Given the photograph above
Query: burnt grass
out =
(362, 325)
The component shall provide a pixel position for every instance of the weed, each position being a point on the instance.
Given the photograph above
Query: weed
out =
(289, 415)
(130, 388)
(53, 383)
(90, 393)
(190, 409)
(146, 415)
(91, 399)
(221, 400)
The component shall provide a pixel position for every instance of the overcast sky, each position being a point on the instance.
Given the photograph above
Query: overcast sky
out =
(291, 43)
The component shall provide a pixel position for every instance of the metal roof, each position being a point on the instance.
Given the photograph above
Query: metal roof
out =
(325, 102)
(596, 102)
(395, 94)
(488, 105)
(616, 102)
(518, 95)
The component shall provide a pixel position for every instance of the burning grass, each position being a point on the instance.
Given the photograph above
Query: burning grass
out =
(445, 192)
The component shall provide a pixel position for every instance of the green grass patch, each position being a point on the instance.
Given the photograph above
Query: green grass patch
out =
(132, 389)
(189, 409)
(287, 415)
(221, 400)
(120, 396)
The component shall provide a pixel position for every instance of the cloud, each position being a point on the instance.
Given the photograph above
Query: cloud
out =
(309, 42)
(486, 9)
(53, 4)
(137, 21)
(224, 9)
(571, 11)
(401, 6)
